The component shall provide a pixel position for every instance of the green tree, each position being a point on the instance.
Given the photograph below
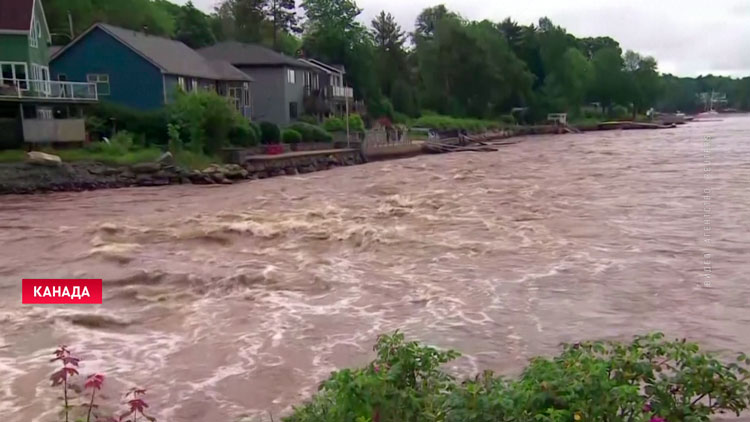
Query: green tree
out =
(609, 83)
(334, 35)
(194, 27)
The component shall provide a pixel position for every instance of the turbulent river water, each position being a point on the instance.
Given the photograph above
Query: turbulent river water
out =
(236, 301)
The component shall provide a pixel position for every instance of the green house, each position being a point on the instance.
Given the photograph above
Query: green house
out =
(32, 107)
(24, 42)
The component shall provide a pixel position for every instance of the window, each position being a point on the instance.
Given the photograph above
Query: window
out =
(195, 85)
(102, 82)
(35, 34)
(246, 92)
(235, 96)
(14, 74)
(290, 77)
(292, 110)
(181, 82)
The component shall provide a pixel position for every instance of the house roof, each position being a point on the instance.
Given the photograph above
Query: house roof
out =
(240, 54)
(323, 66)
(172, 57)
(227, 72)
(16, 15)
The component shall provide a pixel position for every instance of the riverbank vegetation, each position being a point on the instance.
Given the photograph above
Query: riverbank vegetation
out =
(647, 380)
(448, 64)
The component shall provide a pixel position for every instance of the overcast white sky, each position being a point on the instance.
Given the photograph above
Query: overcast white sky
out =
(687, 37)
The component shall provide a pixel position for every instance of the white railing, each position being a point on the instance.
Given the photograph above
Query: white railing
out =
(52, 90)
(342, 91)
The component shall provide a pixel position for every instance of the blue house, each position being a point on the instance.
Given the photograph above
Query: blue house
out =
(144, 71)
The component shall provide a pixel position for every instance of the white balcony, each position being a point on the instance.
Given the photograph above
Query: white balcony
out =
(49, 90)
(341, 91)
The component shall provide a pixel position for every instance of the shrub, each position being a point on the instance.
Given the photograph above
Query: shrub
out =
(311, 133)
(334, 124)
(242, 134)
(256, 128)
(440, 122)
(309, 119)
(291, 136)
(206, 118)
(649, 379)
(269, 133)
(356, 124)
(105, 118)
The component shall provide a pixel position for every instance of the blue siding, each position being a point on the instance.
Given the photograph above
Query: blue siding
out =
(133, 80)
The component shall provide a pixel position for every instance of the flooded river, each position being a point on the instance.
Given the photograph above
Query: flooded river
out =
(235, 301)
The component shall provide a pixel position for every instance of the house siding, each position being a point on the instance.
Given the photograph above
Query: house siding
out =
(267, 98)
(133, 80)
(15, 48)
(294, 93)
(40, 54)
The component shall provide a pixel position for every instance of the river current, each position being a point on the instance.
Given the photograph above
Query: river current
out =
(232, 302)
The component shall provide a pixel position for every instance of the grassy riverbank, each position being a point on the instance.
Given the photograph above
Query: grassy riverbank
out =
(186, 159)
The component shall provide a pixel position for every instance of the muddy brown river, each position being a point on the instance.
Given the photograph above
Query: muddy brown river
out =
(230, 302)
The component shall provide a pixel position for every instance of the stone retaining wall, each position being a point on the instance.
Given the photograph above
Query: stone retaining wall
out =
(22, 178)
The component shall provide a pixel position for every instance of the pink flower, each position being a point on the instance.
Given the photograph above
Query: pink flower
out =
(658, 419)
(647, 408)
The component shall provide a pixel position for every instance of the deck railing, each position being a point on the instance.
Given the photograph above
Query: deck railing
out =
(50, 90)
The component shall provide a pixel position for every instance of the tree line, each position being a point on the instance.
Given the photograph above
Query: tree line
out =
(448, 64)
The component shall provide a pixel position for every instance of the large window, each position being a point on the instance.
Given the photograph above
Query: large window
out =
(14, 74)
(35, 34)
(290, 77)
(102, 82)
(181, 83)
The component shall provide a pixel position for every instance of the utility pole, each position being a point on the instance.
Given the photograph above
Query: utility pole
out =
(346, 101)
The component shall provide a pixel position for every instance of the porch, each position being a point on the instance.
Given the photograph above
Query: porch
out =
(35, 90)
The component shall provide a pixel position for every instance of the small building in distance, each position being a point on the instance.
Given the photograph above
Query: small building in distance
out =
(144, 71)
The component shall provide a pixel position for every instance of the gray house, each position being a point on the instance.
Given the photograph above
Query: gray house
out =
(326, 93)
(280, 80)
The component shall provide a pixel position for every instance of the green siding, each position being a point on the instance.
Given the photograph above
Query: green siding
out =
(40, 54)
(15, 48)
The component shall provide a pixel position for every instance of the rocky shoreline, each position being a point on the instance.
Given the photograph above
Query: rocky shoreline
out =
(27, 178)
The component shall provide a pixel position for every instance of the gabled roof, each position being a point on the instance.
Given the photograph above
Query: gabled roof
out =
(327, 67)
(15, 15)
(240, 54)
(172, 57)
(226, 72)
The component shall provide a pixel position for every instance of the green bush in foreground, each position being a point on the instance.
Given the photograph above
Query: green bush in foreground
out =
(291, 136)
(647, 380)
